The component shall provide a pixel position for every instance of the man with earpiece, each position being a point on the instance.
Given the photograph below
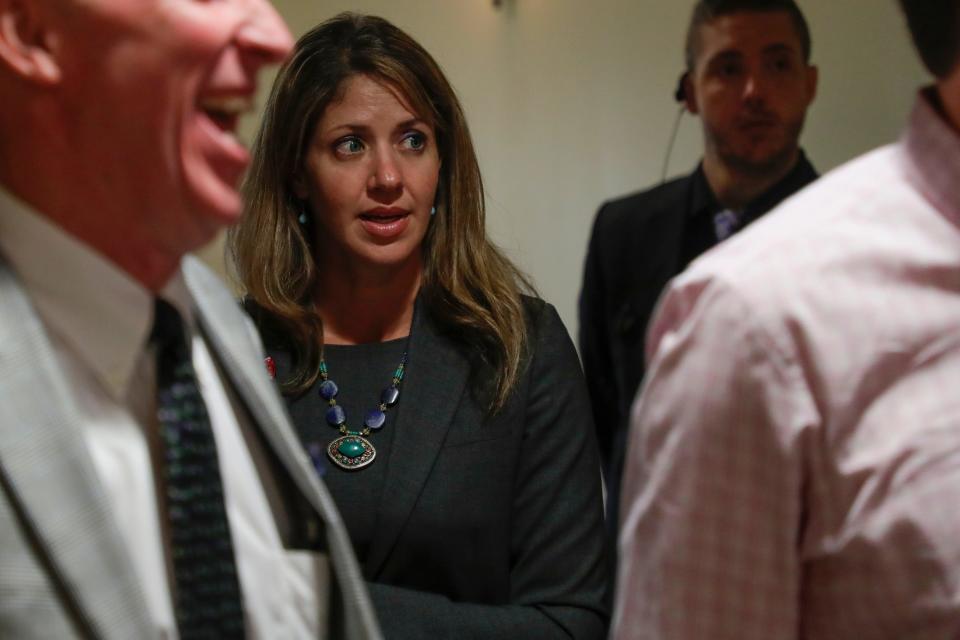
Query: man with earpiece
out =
(749, 79)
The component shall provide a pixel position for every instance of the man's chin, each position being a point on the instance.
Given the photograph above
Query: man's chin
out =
(211, 179)
(761, 162)
(214, 201)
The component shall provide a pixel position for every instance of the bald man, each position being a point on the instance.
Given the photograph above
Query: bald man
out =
(150, 484)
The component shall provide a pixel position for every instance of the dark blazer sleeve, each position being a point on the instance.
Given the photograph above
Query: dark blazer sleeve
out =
(633, 252)
(595, 342)
(557, 575)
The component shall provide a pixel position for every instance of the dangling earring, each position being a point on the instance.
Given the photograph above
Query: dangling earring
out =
(304, 217)
(433, 211)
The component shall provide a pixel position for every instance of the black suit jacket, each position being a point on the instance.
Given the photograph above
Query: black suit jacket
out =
(639, 242)
(491, 527)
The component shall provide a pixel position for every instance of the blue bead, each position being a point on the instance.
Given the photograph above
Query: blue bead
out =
(374, 419)
(328, 390)
(317, 458)
(390, 396)
(336, 416)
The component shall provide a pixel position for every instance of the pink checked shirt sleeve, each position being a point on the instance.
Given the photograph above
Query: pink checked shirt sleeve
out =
(709, 543)
(794, 460)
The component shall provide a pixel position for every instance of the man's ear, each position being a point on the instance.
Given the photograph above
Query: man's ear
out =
(299, 186)
(813, 77)
(27, 41)
(689, 93)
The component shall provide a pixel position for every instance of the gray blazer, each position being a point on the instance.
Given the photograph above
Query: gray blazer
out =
(64, 570)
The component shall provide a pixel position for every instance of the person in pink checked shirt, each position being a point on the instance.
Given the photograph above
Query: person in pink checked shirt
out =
(794, 462)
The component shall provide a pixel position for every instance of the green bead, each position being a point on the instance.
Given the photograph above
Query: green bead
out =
(352, 448)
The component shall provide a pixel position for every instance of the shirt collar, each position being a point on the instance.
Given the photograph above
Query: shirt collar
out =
(931, 150)
(101, 313)
(703, 202)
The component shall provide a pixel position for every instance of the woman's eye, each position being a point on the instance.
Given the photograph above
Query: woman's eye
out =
(349, 146)
(415, 141)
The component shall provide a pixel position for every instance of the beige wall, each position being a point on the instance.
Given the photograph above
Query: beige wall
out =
(570, 103)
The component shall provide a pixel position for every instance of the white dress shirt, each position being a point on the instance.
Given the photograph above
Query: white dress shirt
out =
(99, 320)
(794, 463)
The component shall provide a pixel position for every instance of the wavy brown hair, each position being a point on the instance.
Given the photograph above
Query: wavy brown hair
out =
(469, 288)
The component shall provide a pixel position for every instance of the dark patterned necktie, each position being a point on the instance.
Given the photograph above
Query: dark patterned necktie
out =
(207, 599)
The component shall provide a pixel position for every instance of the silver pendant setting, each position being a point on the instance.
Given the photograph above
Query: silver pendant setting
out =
(351, 452)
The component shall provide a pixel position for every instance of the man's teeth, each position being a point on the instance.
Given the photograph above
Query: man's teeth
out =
(227, 105)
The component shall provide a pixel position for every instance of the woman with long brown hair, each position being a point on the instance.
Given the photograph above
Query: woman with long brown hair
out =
(444, 406)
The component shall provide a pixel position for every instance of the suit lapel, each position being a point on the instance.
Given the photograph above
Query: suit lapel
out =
(435, 379)
(643, 282)
(46, 469)
(659, 262)
(662, 258)
(231, 337)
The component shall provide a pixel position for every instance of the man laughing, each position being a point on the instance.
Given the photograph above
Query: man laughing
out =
(150, 484)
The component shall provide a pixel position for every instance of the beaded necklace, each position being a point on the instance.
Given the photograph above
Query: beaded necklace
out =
(352, 450)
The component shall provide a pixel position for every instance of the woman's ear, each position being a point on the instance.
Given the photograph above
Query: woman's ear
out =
(299, 186)
(28, 41)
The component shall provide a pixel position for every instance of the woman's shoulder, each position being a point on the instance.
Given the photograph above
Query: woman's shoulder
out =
(260, 316)
(533, 305)
(274, 335)
(542, 317)
(548, 343)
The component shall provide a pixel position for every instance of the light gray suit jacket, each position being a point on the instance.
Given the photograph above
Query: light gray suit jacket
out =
(64, 569)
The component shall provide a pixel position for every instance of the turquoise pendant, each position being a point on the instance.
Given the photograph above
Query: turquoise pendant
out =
(351, 452)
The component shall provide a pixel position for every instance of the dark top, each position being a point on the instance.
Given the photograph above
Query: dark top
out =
(361, 373)
(639, 242)
(484, 526)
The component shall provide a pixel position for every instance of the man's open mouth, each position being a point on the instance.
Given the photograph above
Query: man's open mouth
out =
(225, 111)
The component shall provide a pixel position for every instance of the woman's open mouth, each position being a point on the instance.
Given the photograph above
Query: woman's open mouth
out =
(385, 222)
